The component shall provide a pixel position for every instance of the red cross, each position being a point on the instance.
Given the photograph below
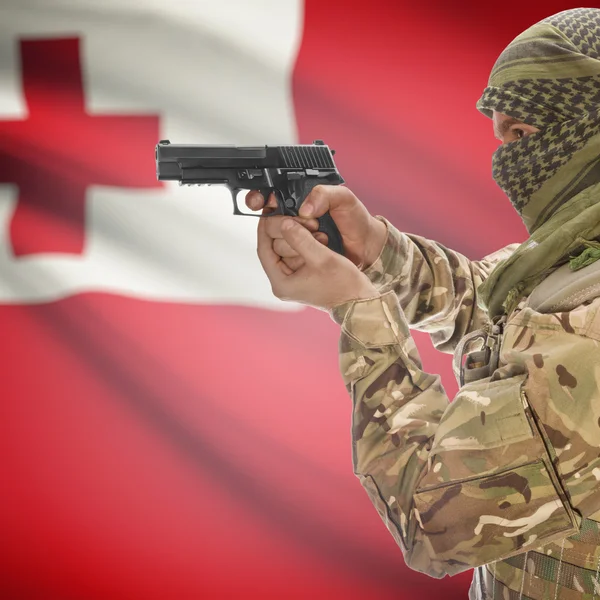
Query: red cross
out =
(59, 150)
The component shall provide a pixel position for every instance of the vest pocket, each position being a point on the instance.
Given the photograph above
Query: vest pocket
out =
(484, 414)
(477, 520)
(489, 491)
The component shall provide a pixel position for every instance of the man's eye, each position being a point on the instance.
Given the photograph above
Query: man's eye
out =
(519, 133)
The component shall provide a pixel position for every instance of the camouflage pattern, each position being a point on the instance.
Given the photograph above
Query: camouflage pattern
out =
(506, 475)
(441, 300)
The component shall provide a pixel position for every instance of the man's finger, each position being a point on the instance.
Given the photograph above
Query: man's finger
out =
(268, 258)
(287, 269)
(273, 224)
(272, 201)
(321, 237)
(302, 241)
(283, 249)
(325, 198)
(254, 200)
(294, 263)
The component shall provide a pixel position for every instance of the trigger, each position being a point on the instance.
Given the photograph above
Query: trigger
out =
(266, 193)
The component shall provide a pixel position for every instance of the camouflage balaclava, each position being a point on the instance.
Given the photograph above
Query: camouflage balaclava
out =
(548, 77)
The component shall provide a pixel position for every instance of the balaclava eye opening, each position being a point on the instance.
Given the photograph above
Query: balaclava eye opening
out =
(549, 77)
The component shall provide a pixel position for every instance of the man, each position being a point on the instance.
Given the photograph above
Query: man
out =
(505, 478)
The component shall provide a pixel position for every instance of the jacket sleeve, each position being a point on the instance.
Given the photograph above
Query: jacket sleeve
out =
(436, 287)
(465, 483)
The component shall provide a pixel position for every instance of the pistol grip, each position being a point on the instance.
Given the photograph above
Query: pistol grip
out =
(327, 225)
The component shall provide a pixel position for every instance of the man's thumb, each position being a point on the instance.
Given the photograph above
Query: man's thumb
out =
(301, 240)
(325, 198)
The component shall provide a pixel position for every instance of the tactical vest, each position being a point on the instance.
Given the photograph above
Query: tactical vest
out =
(568, 569)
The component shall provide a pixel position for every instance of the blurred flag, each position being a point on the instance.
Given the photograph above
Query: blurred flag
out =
(169, 429)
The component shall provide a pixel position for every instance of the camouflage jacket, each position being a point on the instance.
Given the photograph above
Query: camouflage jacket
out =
(513, 462)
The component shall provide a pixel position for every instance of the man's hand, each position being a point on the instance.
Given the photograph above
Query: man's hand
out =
(325, 278)
(362, 234)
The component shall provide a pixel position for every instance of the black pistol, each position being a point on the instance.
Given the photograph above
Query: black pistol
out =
(289, 172)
